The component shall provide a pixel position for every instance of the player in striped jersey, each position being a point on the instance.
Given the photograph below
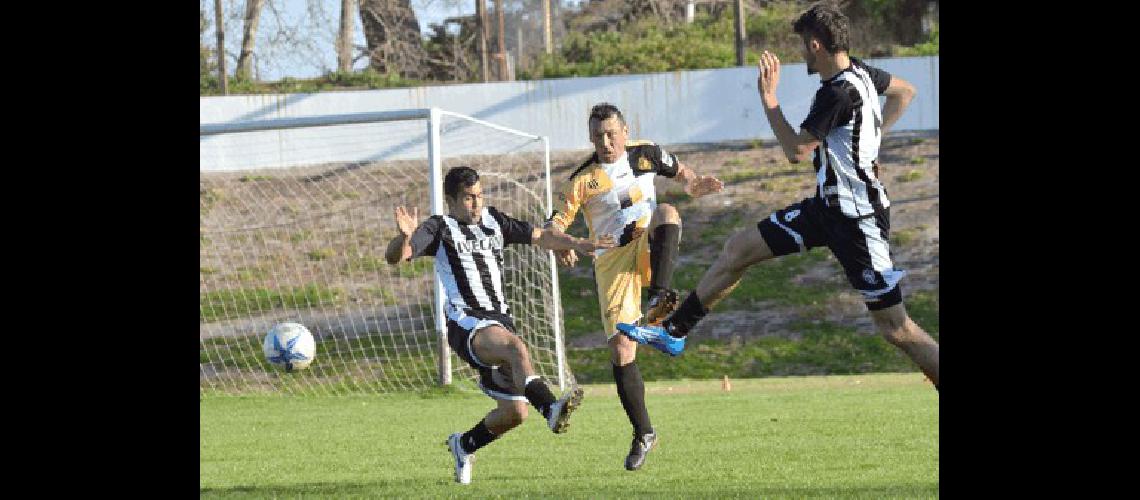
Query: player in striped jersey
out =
(467, 244)
(849, 213)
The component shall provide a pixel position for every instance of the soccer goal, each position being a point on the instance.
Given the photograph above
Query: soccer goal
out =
(295, 217)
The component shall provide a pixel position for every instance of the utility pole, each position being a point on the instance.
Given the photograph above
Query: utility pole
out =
(221, 27)
(738, 10)
(481, 14)
(547, 36)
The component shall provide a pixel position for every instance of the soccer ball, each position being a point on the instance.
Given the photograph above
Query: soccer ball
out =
(289, 346)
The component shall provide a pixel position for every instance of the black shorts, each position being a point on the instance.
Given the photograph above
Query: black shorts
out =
(495, 381)
(860, 244)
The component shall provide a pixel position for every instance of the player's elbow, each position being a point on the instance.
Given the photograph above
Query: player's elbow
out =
(801, 153)
(909, 91)
(393, 257)
(902, 90)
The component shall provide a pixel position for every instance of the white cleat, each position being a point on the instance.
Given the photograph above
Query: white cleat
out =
(463, 459)
(560, 411)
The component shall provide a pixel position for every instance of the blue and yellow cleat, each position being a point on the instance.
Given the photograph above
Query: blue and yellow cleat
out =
(655, 336)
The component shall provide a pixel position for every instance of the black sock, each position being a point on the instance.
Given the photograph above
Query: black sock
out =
(663, 255)
(631, 391)
(686, 316)
(478, 437)
(539, 395)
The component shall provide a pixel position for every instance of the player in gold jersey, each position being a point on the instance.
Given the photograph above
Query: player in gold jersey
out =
(614, 190)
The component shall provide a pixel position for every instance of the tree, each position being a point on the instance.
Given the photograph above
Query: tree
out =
(393, 36)
(344, 36)
(249, 34)
(206, 65)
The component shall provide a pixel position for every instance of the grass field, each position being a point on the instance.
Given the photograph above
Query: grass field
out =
(850, 436)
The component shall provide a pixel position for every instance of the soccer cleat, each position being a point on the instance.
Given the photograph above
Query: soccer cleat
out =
(639, 449)
(560, 410)
(663, 303)
(655, 336)
(463, 460)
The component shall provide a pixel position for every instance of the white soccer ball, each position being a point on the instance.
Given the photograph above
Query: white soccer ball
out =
(289, 346)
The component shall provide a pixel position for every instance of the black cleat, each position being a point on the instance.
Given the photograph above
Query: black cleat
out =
(661, 305)
(560, 411)
(639, 449)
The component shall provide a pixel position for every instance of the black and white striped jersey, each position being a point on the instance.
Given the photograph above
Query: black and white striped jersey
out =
(469, 258)
(846, 117)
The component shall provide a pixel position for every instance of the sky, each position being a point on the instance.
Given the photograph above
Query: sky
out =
(316, 23)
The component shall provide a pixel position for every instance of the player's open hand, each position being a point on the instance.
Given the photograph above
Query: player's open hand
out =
(566, 257)
(702, 185)
(769, 77)
(589, 246)
(406, 221)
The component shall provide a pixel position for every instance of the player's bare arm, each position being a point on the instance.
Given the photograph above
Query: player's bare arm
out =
(797, 147)
(553, 238)
(697, 185)
(899, 94)
(400, 248)
(567, 257)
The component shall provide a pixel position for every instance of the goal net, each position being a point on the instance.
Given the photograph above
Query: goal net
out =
(295, 217)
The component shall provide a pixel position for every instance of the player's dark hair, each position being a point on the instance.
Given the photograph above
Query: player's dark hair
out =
(603, 111)
(826, 23)
(466, 176)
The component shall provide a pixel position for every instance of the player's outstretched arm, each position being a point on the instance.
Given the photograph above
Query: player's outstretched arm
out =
(554, 239)
(400, 248)
(697, 185)
(899, 94)
(797, 147)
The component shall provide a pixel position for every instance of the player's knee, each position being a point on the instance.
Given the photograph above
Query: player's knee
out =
(667, 214)
(516, 349)
(895, 329)
(622, 350)
(516, 415)
(737, 252)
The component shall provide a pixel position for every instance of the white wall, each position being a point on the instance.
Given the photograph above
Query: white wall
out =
(669, 108)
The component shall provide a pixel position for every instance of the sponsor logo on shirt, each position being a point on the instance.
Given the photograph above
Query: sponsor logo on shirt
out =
(484, 244)
(644, 164)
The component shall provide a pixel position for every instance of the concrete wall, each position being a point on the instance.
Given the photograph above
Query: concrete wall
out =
(680, 107)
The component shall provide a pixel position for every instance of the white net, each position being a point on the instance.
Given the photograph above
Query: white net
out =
(294, 226)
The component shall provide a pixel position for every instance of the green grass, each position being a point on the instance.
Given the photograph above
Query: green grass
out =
(824, 349)
(905, 237)
(769, 280)
(913, 174)
(237, 303)
(580, 312)
(865, 436)
(415, 268)
(772, 280)
(301, 235)
(320, 254)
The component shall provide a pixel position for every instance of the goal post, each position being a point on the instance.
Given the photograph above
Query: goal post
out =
(295, 215)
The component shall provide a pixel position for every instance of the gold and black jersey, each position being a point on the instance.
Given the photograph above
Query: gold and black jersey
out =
(616, 198)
